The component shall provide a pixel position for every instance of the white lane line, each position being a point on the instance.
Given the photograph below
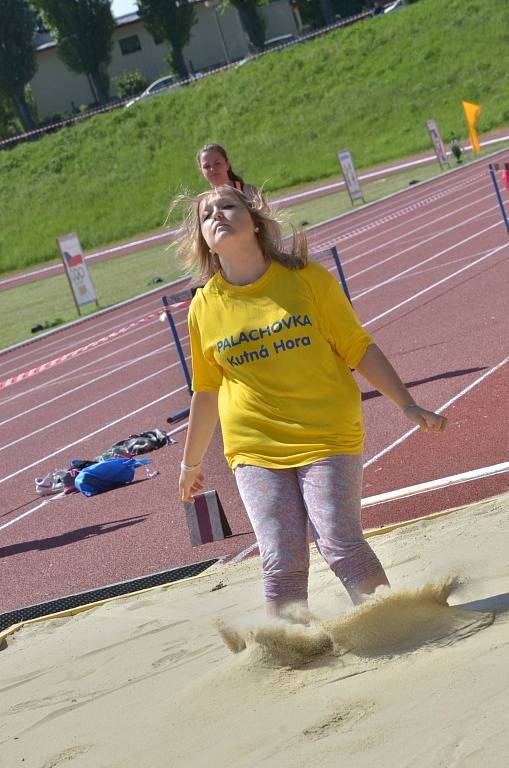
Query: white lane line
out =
(434, 485)
(62, 495)
(434, 285)
(417, 264)
(379, 245)
(473, 200)
(34, 509)
(92, 434)
(85, 384)
(93, 404)
(451, 263)
(404, 214)
(441, 409)
(438, 236)
(72, 374)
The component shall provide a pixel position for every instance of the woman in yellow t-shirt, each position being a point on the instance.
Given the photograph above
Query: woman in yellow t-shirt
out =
(273, 341)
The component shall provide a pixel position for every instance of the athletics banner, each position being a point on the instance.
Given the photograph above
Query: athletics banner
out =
(352, 182)
(76, 270)
(438, 144)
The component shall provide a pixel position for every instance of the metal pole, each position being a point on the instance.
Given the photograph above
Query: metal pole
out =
(178, 345)
(335, 256)
(499, 196)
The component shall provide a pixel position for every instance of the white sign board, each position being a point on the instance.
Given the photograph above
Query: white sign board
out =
(352, 182)
(76, 269)
(438, 144)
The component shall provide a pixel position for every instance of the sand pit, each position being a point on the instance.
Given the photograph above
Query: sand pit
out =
(416, 677)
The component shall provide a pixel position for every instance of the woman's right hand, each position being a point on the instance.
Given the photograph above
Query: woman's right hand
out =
(190, 482)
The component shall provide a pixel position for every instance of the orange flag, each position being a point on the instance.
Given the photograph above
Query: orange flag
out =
(472, 112)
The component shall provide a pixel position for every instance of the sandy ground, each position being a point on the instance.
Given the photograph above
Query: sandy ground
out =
(416, 677)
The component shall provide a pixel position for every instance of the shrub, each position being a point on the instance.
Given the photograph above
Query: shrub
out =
(130, 84)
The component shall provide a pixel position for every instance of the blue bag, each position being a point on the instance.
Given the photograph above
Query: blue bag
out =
(105, 475)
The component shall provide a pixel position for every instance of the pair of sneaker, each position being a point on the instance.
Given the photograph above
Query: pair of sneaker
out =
(52, 483)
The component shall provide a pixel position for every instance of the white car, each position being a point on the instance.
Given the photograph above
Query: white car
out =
(397, 6)
(158, 86)
(280, 40)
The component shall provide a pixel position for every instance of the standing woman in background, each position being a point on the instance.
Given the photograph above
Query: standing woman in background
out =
(215, 166)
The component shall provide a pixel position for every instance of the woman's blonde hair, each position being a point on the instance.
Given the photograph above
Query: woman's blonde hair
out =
(202, 264)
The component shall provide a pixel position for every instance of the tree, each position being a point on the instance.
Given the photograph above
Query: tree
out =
(9, 123)
(170, 20)
(253, 23)
(83, 30)
(327, 12)
(17, 59)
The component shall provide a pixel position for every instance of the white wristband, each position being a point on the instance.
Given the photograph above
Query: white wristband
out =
(188, 467)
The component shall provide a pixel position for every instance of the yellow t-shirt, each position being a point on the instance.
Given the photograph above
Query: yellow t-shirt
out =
(279, 353)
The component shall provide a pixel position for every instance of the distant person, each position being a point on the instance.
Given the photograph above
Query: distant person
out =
(273, 339)
(378, 8)
(455, 147)
(215, 166)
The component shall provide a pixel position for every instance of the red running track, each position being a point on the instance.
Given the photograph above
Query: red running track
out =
(428, 271)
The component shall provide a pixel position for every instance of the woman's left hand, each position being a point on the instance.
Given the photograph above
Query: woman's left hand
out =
(425, 419)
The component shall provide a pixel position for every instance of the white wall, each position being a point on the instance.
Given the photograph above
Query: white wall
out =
(56, 88)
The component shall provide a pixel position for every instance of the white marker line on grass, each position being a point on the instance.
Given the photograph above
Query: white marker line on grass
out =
(92, 434)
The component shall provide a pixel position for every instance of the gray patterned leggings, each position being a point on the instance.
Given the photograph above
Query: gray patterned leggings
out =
(280, 502)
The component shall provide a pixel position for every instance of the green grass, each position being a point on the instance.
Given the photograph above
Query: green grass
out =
(323, 208)
(124, 277)
(369, 87)
(50, 299)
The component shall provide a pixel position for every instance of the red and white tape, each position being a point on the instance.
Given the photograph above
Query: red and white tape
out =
(85, 348)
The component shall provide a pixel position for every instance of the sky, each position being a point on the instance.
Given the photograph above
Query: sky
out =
(120, 7)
